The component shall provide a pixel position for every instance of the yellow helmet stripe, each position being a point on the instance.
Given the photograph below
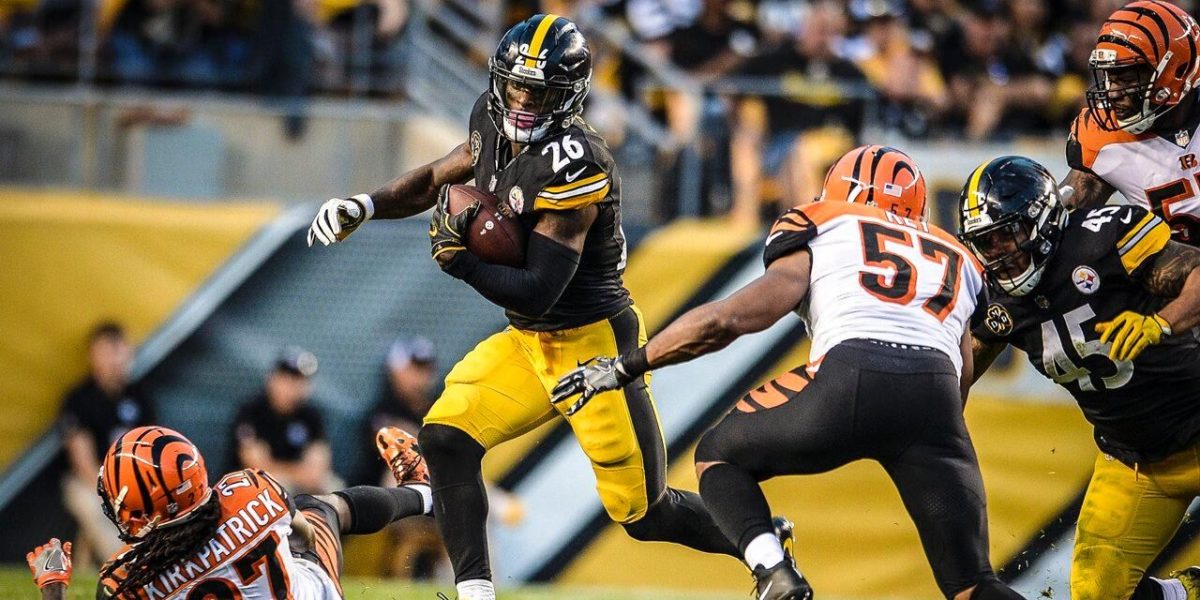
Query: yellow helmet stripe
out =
(973, 201)
(539, 36)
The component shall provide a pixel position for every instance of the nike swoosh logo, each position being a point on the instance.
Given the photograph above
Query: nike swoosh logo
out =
(771, 238)
(573, 176)
(1128, 216)
(764, 592)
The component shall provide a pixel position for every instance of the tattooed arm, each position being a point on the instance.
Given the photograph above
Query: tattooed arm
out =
(1089, 190)
(1175, 274)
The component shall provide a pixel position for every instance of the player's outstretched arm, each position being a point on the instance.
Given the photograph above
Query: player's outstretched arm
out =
(411, 193)
(702, 330)
(551, 258)
(1175, 273)
(1086, 190)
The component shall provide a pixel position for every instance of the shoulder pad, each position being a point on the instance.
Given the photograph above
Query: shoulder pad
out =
(574, 185)
(1087, 138)
(1136, 233)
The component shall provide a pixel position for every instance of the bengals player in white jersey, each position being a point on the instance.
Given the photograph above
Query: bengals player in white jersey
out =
(244, 537)
(887, 298)
(1139, 132)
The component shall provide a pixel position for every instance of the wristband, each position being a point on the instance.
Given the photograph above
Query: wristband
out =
(367, 203)
(634, 364)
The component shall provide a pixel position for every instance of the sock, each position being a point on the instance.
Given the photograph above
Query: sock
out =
(459, 499)
(764, 551)
(681, 518)
(737, 503)
(475, 589)
(373, 508)
(426, 496)
(1171, 589)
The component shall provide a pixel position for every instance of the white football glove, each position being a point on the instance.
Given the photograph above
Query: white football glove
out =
(339, 217)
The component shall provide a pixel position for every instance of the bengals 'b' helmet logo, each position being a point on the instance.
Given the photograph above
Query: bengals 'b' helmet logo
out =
(877, 176)
(1145, 62)
(151, 477)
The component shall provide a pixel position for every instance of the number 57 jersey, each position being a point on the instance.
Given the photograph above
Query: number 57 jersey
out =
(1143, 410)
(879, 276)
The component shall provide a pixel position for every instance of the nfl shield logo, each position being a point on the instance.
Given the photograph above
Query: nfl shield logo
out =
(1086, 279)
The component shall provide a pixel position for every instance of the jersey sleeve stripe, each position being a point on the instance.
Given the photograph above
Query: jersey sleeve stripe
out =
(571, 203)
(1136, 232)
(555, 189)
(1153, 239)
(591, 187)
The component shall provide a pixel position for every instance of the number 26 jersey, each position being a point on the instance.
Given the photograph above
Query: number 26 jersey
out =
(1142, 410)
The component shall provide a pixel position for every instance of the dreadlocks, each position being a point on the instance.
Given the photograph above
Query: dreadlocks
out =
(162, 548)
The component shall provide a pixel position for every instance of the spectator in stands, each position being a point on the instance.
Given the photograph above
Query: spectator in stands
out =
(280, 432)
(358, 44)
(191, 42)
(94, 414)
(793, 134)
(994, 71)
(414, 547)
(899, 63)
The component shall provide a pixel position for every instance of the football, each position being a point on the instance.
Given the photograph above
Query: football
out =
(495, 235)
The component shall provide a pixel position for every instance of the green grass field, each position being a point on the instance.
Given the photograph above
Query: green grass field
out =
(16, 584)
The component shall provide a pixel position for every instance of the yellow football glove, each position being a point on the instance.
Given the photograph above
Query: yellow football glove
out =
(1131, 333)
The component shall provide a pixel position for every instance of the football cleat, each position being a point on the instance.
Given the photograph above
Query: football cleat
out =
(785, 531)
(781, 582)
(1190, 578)
(399, 450)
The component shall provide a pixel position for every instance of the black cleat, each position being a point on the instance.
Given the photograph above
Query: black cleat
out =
(781, 582)
(785, 531)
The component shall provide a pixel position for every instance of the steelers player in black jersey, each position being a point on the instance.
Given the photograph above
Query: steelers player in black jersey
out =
(529, 145)
(1104, 303)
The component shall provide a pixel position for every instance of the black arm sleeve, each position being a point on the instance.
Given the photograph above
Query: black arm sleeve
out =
(531, 291)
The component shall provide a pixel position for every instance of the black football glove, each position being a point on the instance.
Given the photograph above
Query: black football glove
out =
(594, 376)
(446, 230)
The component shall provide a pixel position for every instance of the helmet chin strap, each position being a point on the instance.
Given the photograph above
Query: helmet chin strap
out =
(1024, 283)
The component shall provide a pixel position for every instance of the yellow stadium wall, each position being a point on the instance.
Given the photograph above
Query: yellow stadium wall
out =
(72, 259)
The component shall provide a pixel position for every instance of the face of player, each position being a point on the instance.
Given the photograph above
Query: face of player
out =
(526, 103)
(1124, 89)
(110, 358)
(1002, 250)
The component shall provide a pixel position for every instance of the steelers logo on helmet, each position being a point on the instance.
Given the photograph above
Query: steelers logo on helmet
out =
(1144, 63)
(1086, 279)
(540, 74)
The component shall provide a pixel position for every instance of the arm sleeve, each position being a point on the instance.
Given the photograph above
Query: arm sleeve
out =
(531, 291)
(1080, 157)
(792, 231)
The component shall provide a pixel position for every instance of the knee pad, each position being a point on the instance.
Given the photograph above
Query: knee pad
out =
(623, 493)
(992, 589)
(1101, 572)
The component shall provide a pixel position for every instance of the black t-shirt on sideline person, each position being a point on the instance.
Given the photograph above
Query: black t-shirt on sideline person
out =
(286, 435)
(87, 407)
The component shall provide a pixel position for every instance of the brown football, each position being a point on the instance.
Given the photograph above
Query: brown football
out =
(495, 235)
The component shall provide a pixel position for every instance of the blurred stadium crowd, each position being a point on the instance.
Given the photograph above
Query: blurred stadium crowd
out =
(764, 94)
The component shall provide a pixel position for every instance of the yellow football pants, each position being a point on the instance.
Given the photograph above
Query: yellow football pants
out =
(501, 390)
(1126, 520)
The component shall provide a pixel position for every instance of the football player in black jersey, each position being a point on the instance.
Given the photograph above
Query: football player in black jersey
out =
(1103, 302)
(530, 146)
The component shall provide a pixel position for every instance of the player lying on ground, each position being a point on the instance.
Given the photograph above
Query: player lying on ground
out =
(886, 298)
(530, 146)
(1139, 131)
(1104, 304)
(245, 536)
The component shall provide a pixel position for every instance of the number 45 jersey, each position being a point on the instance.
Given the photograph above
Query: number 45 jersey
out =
(879, 276)
(1143, 410)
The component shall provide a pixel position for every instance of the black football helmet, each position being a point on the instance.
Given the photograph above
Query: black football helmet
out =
(540, 75)
(1011, 217)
